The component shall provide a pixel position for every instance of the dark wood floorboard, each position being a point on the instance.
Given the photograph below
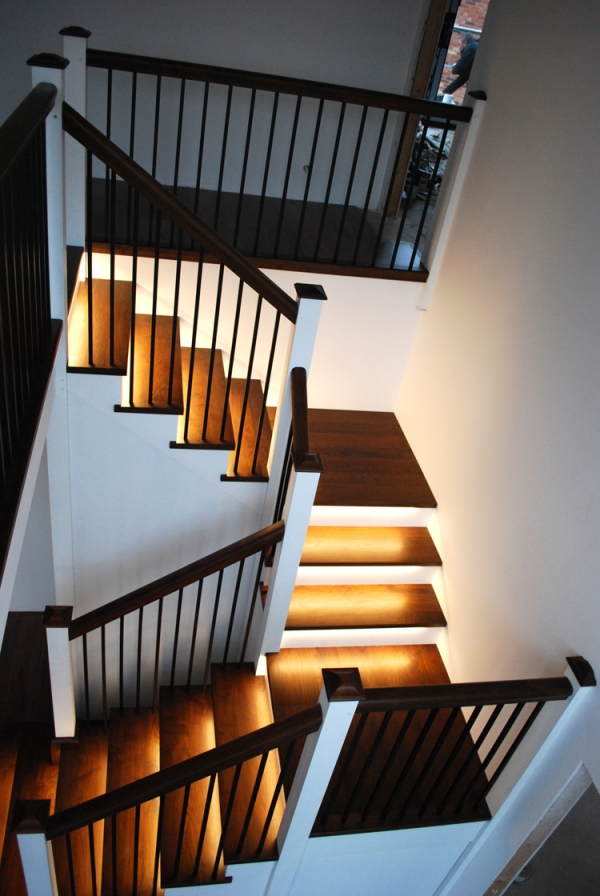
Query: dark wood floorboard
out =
(368, 461)
(187, 729)
(363, 606)
(241, 705)
(369, 545)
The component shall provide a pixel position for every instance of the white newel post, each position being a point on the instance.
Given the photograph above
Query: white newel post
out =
(75, 50)
(56, 622)
(48, 68)
(29, 824)
(299, 354)
(341, 692)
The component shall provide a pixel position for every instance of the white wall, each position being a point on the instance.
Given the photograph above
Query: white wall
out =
(353, 42)
(501, 400)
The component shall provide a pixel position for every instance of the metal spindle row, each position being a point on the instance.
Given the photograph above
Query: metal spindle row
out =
(156, 657)
(401, 768)
(239, 134)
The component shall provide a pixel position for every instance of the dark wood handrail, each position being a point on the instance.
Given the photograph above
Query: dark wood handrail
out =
(484, 693)
(192, 71)
(278, 734)
(304, 461)
(19, 128)
(232, 553)
(133, 174)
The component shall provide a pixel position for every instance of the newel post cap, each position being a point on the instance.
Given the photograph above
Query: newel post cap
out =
(31, 816)
(74, 31)
(48, 60)
(343, 684)
(310, 291)
(56, 616)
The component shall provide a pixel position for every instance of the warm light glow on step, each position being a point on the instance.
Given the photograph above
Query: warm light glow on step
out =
(366, 575)
(358, 637)
(334, 515)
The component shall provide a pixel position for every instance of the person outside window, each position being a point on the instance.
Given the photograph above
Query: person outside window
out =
(467, 45)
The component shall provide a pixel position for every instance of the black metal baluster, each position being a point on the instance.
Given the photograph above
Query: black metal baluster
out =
(213, 349)
(287, 175)
(266, 172)
(70, 864)
(240, 202)
(428, 195)
(409, 762)
(263, 408)
(342, 767)
(252, 607)
(180, 835)
(194, 634)
(176, 637)
(86, 682)
(154, 306)
(89, 225)
(154, 152)
(370, 186)
(491, 753)
(108, 132)
(178, 151)
(472, 755)
(121, 654)
(223, 154)
(227, 819)
(131, 146)
(157, 655)
(134, 262)
(113, 203)
(336, 147)
(240, 435)
(390, 189)
(201, 148)
(212, 630)
(175, 319)
(188, 402)
(450, 760)
(138, 683)
(309, 175)
(104, 699)
(284, 480)
(366, 765)
(205, 816)
(233, 610)
(359, 138)
(157, 847)
(269, 818)
(411, 181)
(510, 753)
(93, 872)
(251, 803)
(389, 762)
(430, 760)
(136, 849)
(234, 336)
(114, 857)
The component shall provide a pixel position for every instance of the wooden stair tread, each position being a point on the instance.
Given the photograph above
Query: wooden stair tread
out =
(133, 753)
(9, 748)
(78, 361)
(218, 392)
(241, 705)
(252, 424)
(368, 461)
(35, 778)
(363, 606)
(25, 695)
(370, 546)
(81, 776)
(187, 729)
(142, 342)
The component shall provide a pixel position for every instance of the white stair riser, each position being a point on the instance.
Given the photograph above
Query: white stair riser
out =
(361, 637)
(327, 515)
(366, 575)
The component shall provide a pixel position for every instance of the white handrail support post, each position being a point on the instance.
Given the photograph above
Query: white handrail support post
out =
(56, 623)
(300, 352)
(340, 695)
(29, 825)
(75, 50)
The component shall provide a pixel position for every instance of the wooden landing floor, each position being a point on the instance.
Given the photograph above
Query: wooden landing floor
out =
(368, 461)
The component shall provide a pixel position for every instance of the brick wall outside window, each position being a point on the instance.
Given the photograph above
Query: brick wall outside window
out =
(471, 14)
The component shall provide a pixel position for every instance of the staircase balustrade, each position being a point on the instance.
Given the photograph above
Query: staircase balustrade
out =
(283, 168)
(28, 334)
(75, 836)
(164, 633)
(430, 755)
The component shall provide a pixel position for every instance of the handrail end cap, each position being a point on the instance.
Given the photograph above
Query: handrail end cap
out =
(582, 671)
